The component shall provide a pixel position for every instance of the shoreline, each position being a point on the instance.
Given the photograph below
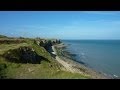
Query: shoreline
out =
(74, 66)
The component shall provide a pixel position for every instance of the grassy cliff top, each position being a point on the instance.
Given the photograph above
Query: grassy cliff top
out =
(44, 70)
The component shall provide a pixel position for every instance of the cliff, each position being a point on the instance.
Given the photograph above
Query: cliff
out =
(25, 58)
(46, 43)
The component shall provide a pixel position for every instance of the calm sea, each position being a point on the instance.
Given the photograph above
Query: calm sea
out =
(101, 55)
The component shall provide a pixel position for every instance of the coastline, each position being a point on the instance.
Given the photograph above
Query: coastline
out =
(73, 66)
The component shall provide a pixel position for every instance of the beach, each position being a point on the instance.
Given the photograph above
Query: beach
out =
(73, 66)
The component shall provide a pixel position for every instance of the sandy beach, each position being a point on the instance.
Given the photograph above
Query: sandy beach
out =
(75, 67)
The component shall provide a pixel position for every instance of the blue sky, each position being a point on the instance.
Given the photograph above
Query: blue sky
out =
(61, 24)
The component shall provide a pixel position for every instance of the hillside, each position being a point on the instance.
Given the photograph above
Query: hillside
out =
(25, 58)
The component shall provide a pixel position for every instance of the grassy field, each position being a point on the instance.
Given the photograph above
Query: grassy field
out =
(44, 70)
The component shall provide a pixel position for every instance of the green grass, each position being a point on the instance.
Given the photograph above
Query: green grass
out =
(6, 47)
(42, 71)
(45, 70)
(37, 71)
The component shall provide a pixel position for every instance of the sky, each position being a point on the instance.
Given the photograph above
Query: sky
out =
(61, 24)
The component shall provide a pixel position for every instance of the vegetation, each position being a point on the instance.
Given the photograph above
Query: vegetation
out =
(48, 67)
(2, 36)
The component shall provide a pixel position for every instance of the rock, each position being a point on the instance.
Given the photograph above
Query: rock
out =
(46, 43)
(41, 43)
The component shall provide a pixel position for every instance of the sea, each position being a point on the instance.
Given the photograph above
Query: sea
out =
(100, 55)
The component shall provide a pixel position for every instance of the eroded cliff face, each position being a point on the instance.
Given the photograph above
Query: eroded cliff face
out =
(23, 55)
(27, 54)
(46, 43)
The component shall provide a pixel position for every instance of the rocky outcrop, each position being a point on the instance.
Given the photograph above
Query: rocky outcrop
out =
(46, 43)
(55, 41)
(23, 55)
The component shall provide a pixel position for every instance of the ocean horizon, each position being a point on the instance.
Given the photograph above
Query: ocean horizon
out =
(100, 55)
